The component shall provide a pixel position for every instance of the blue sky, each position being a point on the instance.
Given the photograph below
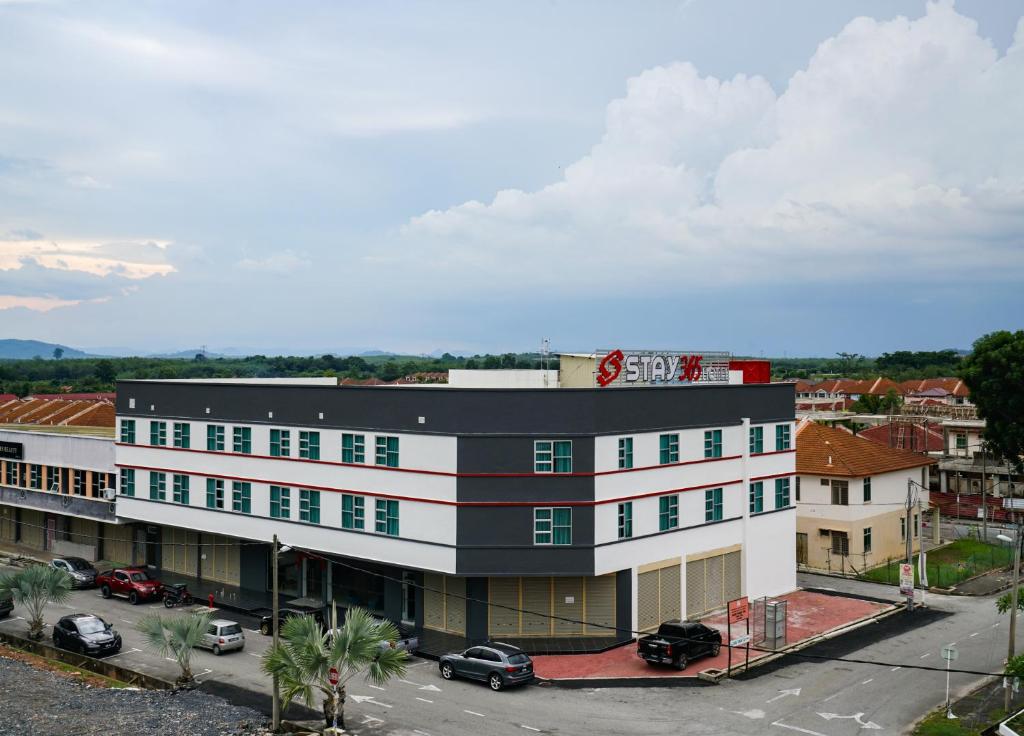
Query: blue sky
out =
(767, 178)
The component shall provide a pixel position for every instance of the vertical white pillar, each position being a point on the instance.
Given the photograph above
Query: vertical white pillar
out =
(745, 499)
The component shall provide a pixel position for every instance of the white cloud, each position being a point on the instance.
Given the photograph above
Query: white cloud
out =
(896, 150)
(285, 261)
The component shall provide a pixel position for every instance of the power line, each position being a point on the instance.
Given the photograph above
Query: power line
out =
(238, 542)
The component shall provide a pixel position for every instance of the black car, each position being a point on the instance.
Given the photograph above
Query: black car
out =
(497, 664)
(6, 606)
(285, 613)
(86, 634)
(679, 642)
(83, 574)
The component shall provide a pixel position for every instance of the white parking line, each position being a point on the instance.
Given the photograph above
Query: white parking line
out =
(375, 687)
(474, 713)
(421, 733)
(424, 700)
(926, 654)
(170, 659)
(895, 668)
(253, 654)
(808, 731)
(126, 621)
(870, 679)
(994, 625)
(835, 695)
(973, 635)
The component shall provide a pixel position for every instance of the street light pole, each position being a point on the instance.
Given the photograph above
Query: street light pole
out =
(909, 534)
(276, 707)
(1010, 652)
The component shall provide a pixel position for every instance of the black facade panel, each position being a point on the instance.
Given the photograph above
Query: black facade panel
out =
(516, 454)
(494, 561)
(535, 412)
(542, 489)
(511, 527)
(476, 610)
(624, 604)
(253, 563)
(393, 600)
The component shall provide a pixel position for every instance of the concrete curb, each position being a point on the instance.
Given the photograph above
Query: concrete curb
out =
(696, 681)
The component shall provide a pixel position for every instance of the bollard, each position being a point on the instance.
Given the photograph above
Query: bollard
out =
(211, 600)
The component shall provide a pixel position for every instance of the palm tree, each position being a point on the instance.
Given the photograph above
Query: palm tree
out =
(175, 636)
(304, 656)
(33, 588)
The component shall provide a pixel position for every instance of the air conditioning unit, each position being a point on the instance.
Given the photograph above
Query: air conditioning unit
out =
(110, 493)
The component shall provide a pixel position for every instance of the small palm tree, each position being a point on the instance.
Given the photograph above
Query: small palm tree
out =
(35, 587)
(175, 636)
(304, 656)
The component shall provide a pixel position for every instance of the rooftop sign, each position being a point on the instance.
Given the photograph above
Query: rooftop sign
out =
(652, 367)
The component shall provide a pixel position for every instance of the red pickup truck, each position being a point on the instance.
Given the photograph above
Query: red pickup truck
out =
(133, 582)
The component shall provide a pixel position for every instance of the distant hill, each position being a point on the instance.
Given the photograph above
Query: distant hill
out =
(28, 349)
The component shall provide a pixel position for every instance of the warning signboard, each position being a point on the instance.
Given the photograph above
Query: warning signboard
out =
(739, 609)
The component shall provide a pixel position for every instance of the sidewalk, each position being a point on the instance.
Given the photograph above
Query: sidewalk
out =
(811, 614)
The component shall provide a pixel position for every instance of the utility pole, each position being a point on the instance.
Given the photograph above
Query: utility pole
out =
(909, 534)
(276, 706)
(1011, 647)
(984, 506)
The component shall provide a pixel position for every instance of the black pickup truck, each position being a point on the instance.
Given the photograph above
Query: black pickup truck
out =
(679, 642)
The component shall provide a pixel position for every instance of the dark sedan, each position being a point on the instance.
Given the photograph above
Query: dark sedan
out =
(6, 606)
(285, 613)
(86, 634)
(83, 574)
(499, 665)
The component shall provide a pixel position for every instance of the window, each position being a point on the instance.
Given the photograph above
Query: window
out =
(280, 443)
(798, 489)
(781, 493)
(713, 443)
(840, 492)
(782, 437)
(840, 543)
(867, 490)
(353, 512)
(353, 448)
(78, 481)
(867, 539)
(625, 452)
(756, 497)
(214, 493)
(12, 473)
(157, 486)
(713, 504)
(387, 451)
(668, 512)
(158, 433)
(668, 449)
(387, 517)
(35, 476)
(280, 502)
(309, 507)
(242, 440)
(756, 440)
(128, 431)
(551, 456)
(961, 440)
(128, 482)
(241, 497)
(180, 494)
(903, 528)
(182, 432)
(215, 437)
(309, 445)
(625, 519)
(552, 526)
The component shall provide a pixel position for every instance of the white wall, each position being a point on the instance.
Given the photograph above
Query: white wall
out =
(888, 494)
(63, 450)
(502, 378)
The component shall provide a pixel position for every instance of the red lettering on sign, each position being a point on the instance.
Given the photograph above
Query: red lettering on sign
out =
(691, 368)
(610, 367)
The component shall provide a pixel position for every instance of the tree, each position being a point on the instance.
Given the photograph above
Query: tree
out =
(35, 587)
(177, 637)
(491, 362)
(58, 353)
(105, 371)
(891, 402)
(994, 372)
(304, 656)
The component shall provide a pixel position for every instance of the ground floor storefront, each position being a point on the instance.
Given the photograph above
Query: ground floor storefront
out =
(852, 546)
(68, 535)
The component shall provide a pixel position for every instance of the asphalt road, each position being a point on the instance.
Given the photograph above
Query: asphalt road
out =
(798, 695)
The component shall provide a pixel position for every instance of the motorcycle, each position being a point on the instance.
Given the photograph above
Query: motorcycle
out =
(177, 595)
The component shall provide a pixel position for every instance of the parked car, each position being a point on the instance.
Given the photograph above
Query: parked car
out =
(133, 582)
(285, 613)
(86, 634)
(499, 665)
(83, 574)
(6, 606)
(223, 636)
(679, 642)
(407, 640)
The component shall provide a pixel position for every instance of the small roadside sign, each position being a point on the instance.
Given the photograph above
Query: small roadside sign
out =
(739, 609)
(740, 640)
(950, 654)
(906, 578)
(332, 676)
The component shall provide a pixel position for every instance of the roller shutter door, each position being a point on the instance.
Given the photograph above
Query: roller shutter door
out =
(567, 604)
(580, 599)
(600, 608)
(536, 597)
(658, 596)
(32, 528)
(455, 605)
(433, 601)
(503, 592)
(117, 544)
(712, 582)
(444, 603)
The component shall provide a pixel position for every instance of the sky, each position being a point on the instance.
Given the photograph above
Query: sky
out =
(766, 178)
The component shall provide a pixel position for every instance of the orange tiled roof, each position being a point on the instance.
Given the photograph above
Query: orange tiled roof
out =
(882, 435)
(822, 450)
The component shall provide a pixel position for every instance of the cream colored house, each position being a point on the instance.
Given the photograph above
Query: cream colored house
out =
(851, 500)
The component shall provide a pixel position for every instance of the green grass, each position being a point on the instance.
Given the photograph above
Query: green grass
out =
(949, 565)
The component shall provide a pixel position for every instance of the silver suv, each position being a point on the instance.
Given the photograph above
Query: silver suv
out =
(497, 664)
(223, 636)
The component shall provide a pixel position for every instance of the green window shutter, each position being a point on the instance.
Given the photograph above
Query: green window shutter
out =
(563, 456)
(625, 452)
(348, 512)
(782, 437)
(867, 490)
(542, 526)
(215, 437)
(625, 520)
(781, 493)
(543, 454)
(128, 431)
(280, 443)
(127, 482)
(348, 448)
(157, 486)
(562, 525)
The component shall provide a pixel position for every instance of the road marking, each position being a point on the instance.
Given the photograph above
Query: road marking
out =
(126, 621)
(808, 731)
(368, 699)
(371, 719)
(431, 688)
(855, 717)
(994, 625)
(408, 682)
(870, 679)
(253, 654)
(255, 631)
(425, 700)
(952, 643)
(375, 687)
(125, 651)
(474, 713)
(170, 659)
(896, 668)
(973, 635)
(416, 730)
(530, 728)
(926, 654)
(784, 693)
(834, 695)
